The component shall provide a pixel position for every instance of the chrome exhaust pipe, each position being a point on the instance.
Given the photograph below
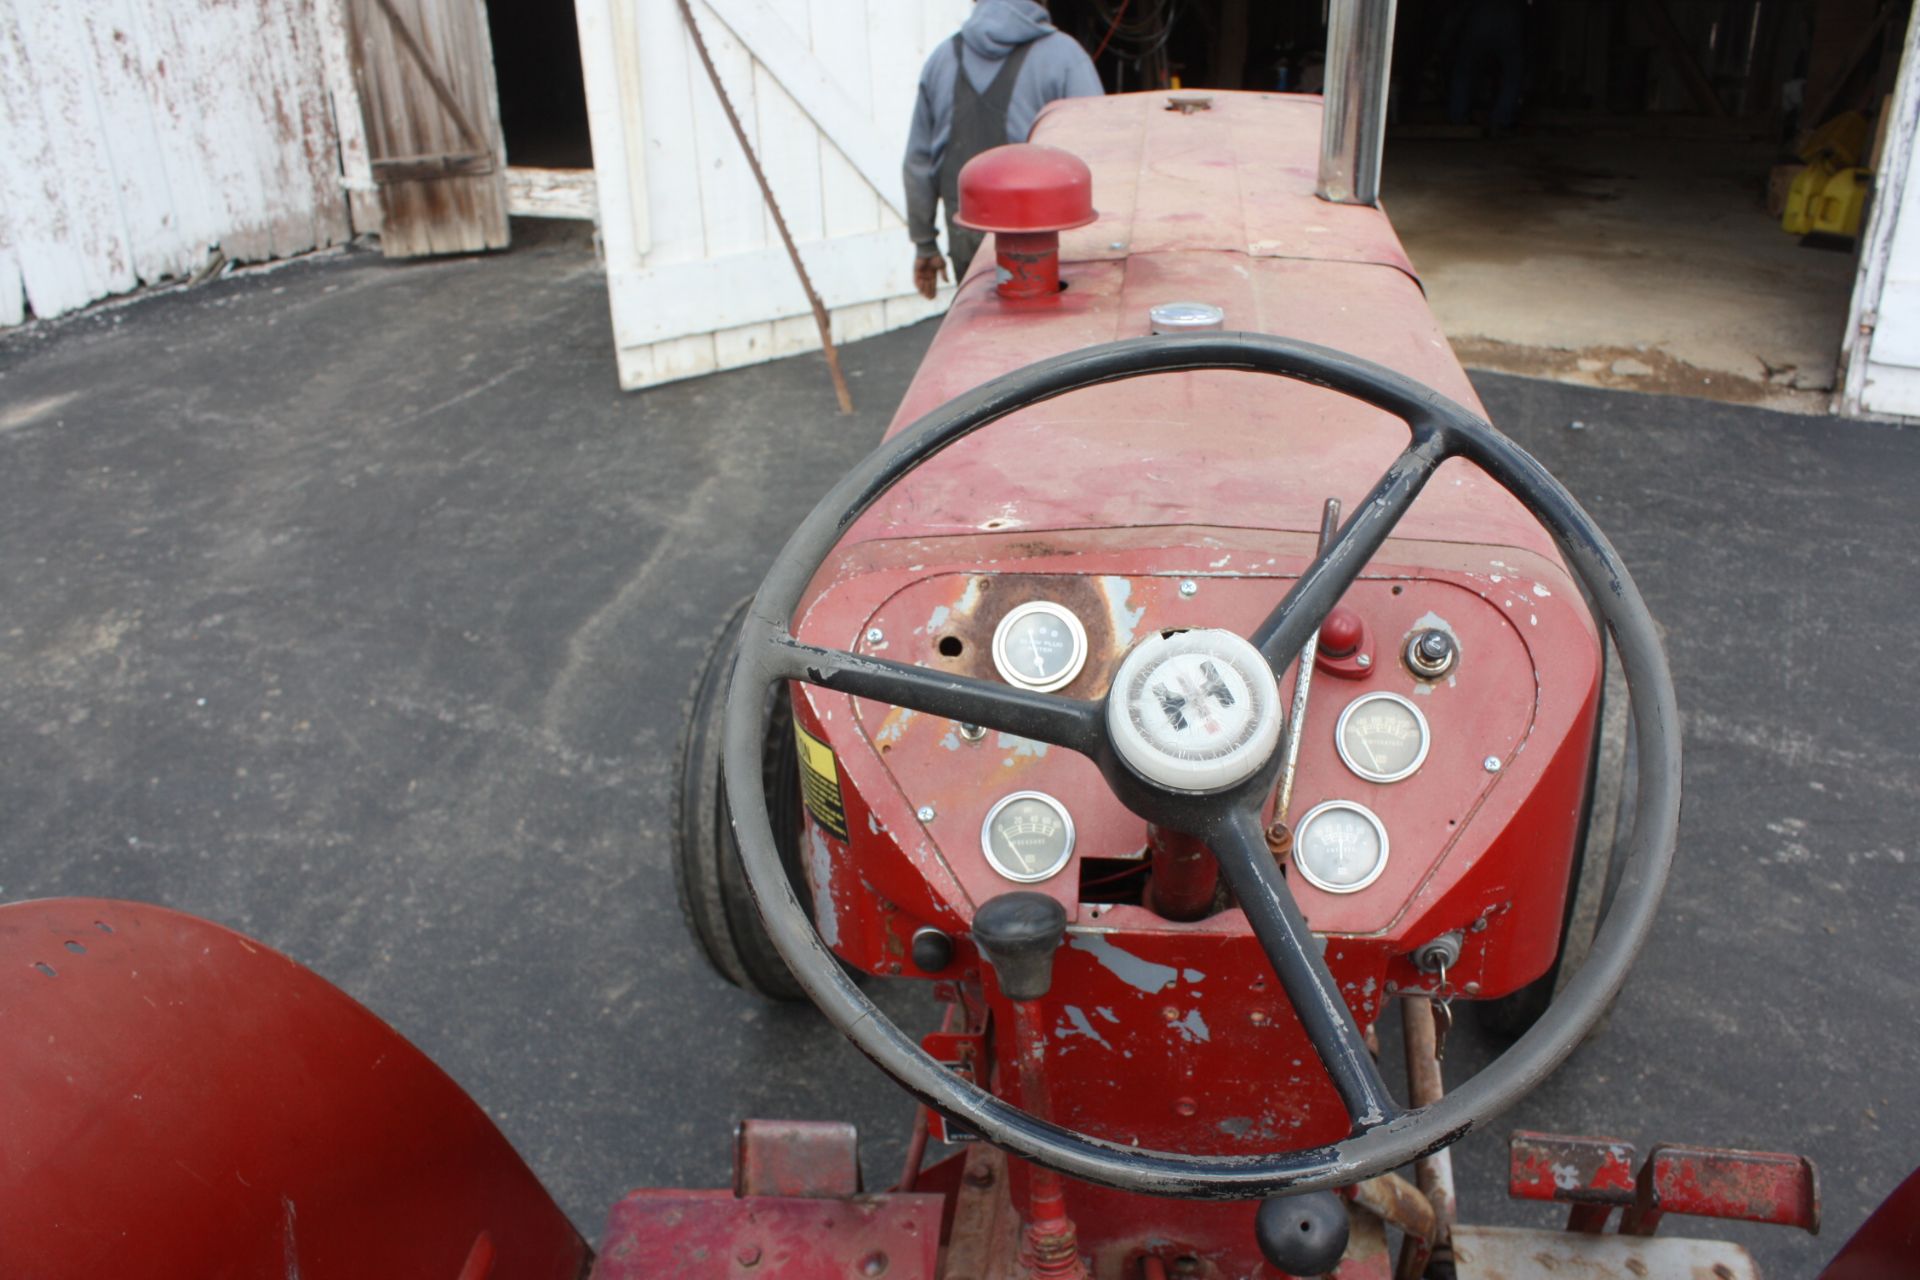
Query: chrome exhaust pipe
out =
(1353, 131)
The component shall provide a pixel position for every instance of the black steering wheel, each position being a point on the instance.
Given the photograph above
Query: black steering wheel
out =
(1228, 817)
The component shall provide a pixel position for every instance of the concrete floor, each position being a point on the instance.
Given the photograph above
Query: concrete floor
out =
(352, 605)
(1643, 263)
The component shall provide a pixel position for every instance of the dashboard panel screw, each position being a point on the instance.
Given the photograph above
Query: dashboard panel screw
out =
(1188, 587)
(875, 635)
(1492, 764)
(924, 813)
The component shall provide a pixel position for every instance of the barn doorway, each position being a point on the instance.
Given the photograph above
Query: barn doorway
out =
(1595, 190)
(543, 109)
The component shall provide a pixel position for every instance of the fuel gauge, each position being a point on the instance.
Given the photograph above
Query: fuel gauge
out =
(1028, 836)
(1382, 737)
(1340, 846)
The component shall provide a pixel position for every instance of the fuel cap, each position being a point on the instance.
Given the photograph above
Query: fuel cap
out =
(1186, 317)
(1195, 711)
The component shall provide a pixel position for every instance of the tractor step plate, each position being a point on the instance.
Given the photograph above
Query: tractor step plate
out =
(1517, 1253)
(716, 1235)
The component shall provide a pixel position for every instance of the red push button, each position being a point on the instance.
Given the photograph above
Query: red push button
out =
(1342, 632)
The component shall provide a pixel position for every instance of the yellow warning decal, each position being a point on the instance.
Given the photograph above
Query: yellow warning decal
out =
(820, 782)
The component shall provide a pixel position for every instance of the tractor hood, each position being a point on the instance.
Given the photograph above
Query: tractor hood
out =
(1215, 206)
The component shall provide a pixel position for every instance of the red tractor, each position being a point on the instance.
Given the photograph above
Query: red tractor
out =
(1191, 680)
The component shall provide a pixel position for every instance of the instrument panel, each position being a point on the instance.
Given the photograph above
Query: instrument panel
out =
(1391, 762)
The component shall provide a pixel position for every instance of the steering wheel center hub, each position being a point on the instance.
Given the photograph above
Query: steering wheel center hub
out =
(1195, 711)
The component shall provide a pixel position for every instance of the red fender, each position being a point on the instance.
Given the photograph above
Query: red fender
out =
(176, 1100)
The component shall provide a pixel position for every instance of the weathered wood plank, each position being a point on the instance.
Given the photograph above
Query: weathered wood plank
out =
(656, 303)
(424, 70)
(552, 193)
(732, 210)
(141, 134)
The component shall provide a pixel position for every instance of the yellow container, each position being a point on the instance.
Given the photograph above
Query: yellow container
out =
(1802, 197)
(1841, 203)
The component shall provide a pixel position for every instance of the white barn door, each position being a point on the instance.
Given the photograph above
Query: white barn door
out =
(825, 90)
(1881, 348)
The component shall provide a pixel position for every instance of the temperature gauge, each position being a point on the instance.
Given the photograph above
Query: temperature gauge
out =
(1382, 737)
(1040, 646)
(1340, 846)
(1028, 836)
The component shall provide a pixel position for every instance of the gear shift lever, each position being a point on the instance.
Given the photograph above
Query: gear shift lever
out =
(1019, 933)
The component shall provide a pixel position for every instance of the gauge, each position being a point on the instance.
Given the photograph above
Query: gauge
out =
(1382, 737)
(1040, 645)
(1027, 836)
(1340, 846)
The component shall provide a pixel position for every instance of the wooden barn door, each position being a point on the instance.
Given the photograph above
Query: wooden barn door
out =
(424, 73)
(696, 274)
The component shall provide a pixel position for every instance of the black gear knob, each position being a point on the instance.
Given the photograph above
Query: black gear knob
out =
(1018, 934)
(1303, 1235)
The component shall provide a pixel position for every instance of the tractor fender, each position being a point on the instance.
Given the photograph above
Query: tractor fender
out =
(178, 1100)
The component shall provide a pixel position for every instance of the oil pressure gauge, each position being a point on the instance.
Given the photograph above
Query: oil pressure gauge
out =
(1039, 645)
(1340, 846)
(1382, 737)
(1028, 836)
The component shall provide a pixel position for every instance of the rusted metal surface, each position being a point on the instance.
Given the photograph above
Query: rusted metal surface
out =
(983, 1241)
(1399, 1204)
(197, 1104)
(1517, 1253)
(796, 1159)
(1709, 1182)
(714, 1235)
(1425, 1086)
(1164, 1033)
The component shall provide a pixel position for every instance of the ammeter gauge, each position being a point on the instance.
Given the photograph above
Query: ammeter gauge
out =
(1382, 737)
(1340, 846)
(1039, 645)
(1028, 836)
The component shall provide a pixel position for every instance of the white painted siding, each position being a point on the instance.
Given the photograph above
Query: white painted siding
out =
(1882, 343)
(695, 269)
(136, 136)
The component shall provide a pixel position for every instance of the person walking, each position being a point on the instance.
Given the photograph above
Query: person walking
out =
(979, 90)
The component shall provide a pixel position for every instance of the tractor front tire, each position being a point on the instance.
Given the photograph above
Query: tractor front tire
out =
(707, 872)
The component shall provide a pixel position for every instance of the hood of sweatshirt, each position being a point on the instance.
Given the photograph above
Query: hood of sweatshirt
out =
(996, 28)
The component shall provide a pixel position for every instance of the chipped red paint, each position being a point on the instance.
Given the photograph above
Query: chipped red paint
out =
(1166, 1033)
(1713, 1182)
(1571, 1170)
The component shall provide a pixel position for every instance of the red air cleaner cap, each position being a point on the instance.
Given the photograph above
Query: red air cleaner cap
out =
(1026, 187)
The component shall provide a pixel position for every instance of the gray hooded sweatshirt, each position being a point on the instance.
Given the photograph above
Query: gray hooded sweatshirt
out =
(1057, 67)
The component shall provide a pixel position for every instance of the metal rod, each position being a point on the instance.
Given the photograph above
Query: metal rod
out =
(1353, 130)
(820, 318)
(1296, 722)
(1425, 1087)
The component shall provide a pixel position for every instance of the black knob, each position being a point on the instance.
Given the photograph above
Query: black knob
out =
(1432, 653)
(932, 949)
(1302, 1235)
(1018, 933)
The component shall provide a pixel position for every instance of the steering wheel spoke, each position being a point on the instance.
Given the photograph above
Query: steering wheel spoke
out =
(1281, 636)
(1241, 848)
(1045, 717)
